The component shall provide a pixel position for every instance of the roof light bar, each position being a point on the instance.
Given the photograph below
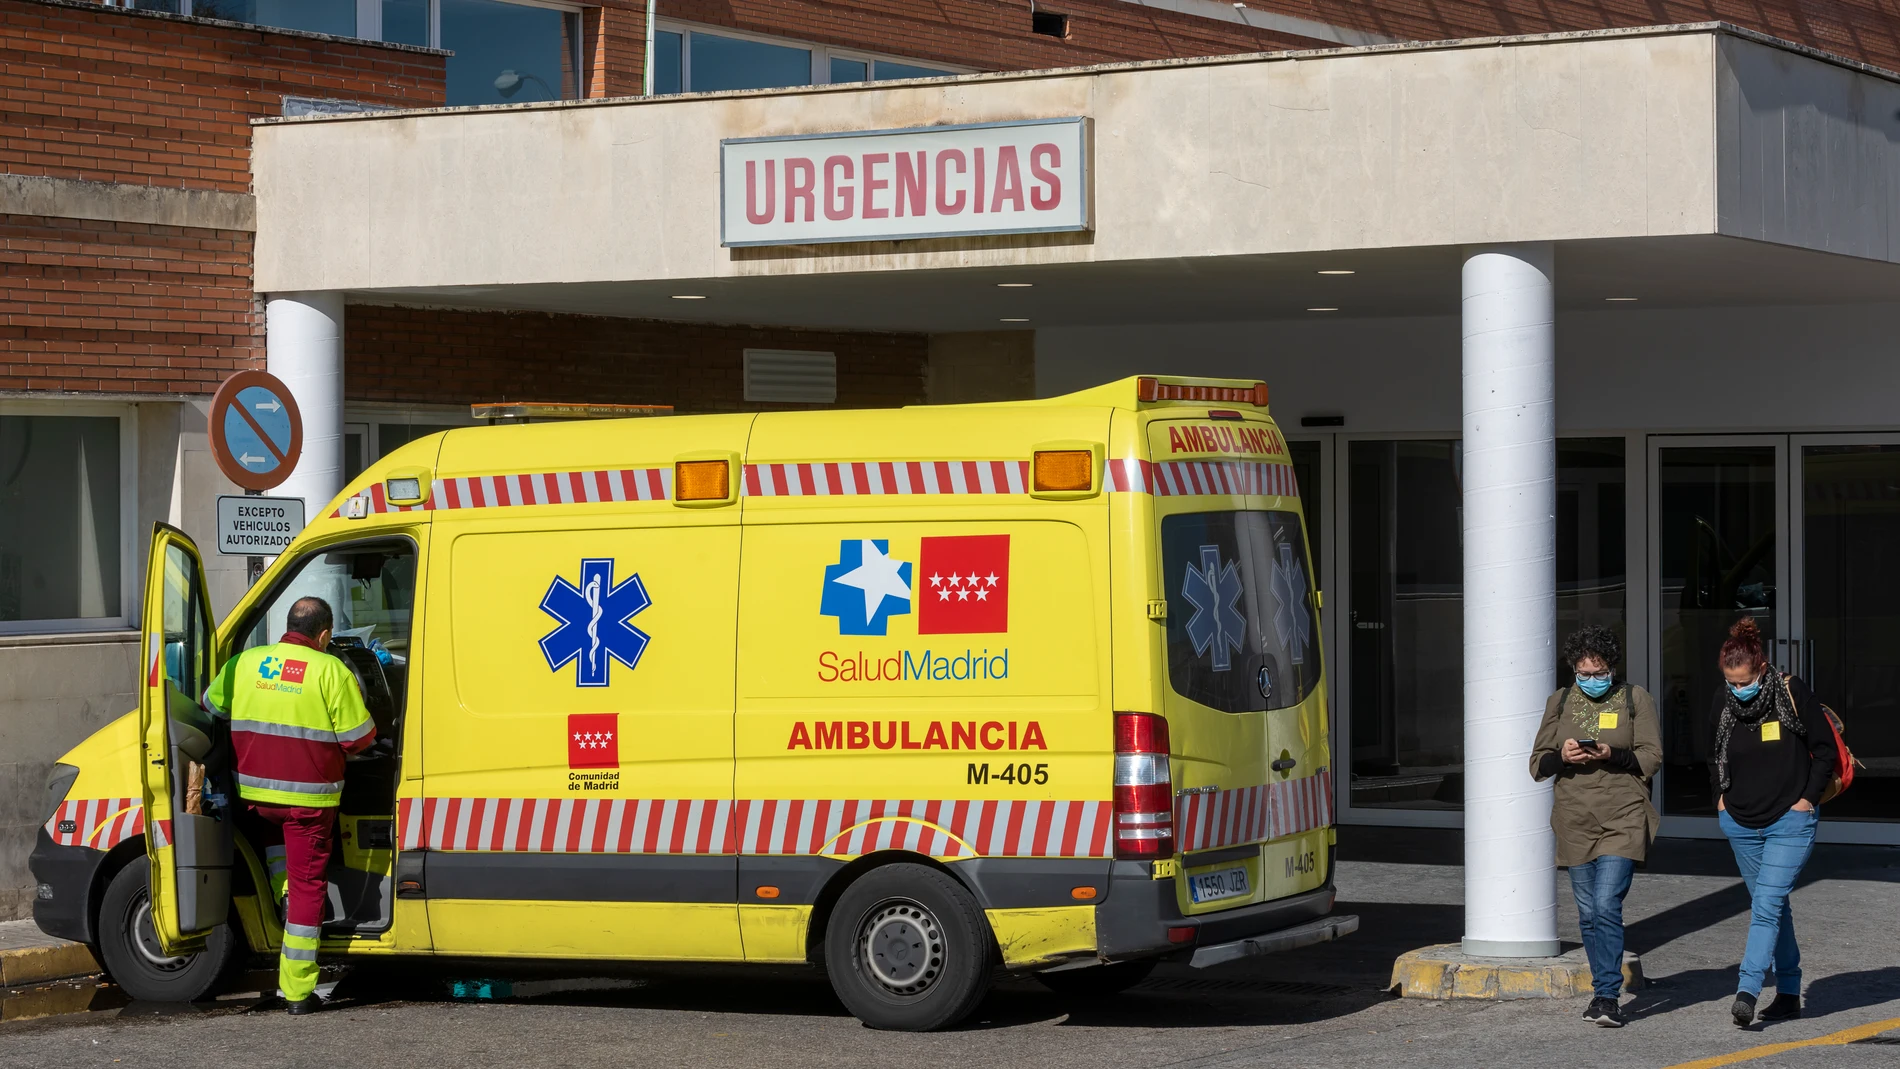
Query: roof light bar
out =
(1151, 389)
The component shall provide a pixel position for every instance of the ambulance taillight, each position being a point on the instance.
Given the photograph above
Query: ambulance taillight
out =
(1144, 788)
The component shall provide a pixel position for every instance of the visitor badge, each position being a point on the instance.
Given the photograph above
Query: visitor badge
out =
(1606, 721)
(1771, 731)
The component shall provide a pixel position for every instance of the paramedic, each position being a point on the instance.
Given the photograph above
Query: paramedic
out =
(295, 713)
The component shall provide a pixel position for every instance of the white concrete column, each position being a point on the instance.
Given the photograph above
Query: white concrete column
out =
(1510, 527)
(304, 347)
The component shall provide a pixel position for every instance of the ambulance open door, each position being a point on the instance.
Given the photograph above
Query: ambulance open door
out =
(184, 754)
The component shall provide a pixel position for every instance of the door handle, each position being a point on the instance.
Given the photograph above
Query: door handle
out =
(1283, 764)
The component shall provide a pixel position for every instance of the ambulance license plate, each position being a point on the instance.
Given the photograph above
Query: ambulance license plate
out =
(1226, 883)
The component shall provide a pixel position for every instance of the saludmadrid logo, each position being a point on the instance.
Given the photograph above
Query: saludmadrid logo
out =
(835, 666)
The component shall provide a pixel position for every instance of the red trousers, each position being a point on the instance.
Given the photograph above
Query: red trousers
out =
(307, 837)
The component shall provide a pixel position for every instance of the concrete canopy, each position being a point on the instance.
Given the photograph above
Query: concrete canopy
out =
(1687, 165)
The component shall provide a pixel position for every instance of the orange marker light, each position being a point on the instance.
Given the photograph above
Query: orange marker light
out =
(701, 480)
(1065, 469)
(1082, 894)
(766, 892)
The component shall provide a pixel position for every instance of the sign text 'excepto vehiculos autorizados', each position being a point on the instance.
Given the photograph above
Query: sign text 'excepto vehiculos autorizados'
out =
(1023, 177)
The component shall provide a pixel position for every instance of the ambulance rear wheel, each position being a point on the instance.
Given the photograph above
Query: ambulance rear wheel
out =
(129, 950)
(908, 949)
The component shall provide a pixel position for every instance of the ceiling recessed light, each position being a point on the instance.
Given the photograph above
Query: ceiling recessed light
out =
(1012, 320)
(1338, 271)
(1014, 285)
(1322, 309)
(1622, 298)
(689, 296)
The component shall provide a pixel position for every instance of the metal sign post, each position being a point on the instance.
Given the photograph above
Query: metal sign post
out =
(256, 438)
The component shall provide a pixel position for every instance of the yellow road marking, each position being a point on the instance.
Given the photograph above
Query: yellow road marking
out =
(1832, 1039)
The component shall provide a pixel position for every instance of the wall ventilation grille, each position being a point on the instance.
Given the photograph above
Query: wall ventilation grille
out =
(791, 375)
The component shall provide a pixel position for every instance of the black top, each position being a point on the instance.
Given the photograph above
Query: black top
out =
(1767, 778)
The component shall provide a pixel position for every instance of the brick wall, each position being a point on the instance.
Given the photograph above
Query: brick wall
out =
(425, 355)
(97, 306)
(95, 93)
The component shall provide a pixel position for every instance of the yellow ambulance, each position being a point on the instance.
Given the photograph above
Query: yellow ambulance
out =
(911, 695)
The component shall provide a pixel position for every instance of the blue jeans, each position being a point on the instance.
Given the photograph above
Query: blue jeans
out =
(1770, 859)
(1600, 885)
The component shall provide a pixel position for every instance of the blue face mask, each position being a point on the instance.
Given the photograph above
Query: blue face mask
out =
(1745, 694)
(1595, 688)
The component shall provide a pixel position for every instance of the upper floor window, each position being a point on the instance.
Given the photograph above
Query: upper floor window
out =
(694, 59)
(506, 51)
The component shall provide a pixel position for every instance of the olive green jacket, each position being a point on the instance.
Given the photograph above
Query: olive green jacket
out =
(1601, 807)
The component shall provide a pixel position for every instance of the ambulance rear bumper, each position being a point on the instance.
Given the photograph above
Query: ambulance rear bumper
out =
(1140, 919)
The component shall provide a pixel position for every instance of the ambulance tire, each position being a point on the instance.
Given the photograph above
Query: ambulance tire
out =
(874, 937)
(1099, 981)
(131, 955)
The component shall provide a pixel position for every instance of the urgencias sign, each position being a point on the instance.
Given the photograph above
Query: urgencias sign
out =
(1027, 177)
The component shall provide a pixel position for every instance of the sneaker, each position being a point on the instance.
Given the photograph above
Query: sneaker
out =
(1743, 1010)
(307, 1004)
(1604, 1012)
(1783, 1008)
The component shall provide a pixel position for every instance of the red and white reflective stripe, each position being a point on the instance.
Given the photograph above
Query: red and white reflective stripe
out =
(753, 826)
(887, 477)
(1251, 814)
(1177, 478)
(100, 823)
(532, 488)
(554, 488)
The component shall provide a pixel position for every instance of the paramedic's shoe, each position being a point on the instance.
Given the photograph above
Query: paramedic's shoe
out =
(1783, 1008)
(307, 1004)
(1743, 1010)
(1604, 1012)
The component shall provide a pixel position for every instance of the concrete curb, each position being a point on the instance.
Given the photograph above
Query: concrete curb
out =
(37, 965)
(1447, 972)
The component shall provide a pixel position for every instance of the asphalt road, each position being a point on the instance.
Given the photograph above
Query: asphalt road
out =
(1317, 1007)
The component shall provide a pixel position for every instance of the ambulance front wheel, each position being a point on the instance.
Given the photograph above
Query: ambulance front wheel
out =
(129, 950)
(908, 949)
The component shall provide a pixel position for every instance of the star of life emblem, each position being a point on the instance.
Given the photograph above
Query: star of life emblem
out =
(1290, 616)
(594, 631)
(1217, 627)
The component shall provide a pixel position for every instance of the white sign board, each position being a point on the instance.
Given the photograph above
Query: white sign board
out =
(1028, 177)
(258, 526)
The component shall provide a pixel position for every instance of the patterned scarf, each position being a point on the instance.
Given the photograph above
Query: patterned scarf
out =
(1772, 699)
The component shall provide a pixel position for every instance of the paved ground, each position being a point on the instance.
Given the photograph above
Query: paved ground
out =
(1317, 1007)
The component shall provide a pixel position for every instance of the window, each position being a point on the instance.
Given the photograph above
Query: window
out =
(336, 17)
(509, 53)
(1242, 625)
(506, 51)
(64, 519)
(1049, 24)
(370, 588)
(374, 432)
(695, 59)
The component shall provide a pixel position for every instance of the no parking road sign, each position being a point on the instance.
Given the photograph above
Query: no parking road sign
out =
(256, 430)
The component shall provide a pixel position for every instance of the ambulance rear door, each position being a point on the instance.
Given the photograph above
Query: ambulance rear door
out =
(188, 838)
(1243, 681)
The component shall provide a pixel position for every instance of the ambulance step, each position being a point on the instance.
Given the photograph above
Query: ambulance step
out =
(1324, 930)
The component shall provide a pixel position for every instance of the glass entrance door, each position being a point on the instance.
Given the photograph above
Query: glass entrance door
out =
(1717, 552)
(1803, 533)
(1847, 606)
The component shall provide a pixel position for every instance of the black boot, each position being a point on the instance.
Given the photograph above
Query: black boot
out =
(1743, 1010)
(1783, 1008)
(307, 1004)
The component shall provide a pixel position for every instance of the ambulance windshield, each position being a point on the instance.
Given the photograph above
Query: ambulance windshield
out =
(1242, 630)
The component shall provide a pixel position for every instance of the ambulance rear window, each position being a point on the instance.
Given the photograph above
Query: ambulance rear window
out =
(1241, 623)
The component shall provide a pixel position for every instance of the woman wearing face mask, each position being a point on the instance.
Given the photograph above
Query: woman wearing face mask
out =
(1600, 740)
(1774, 755)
